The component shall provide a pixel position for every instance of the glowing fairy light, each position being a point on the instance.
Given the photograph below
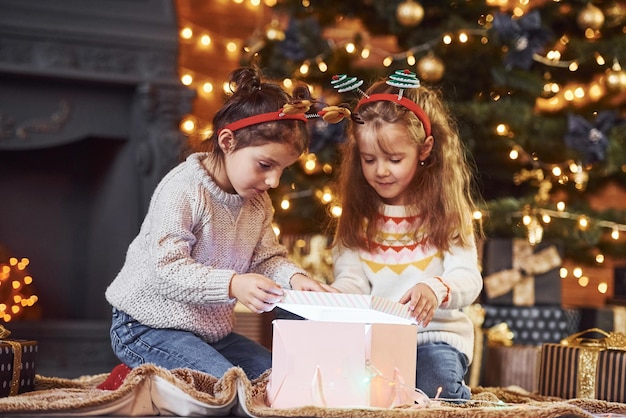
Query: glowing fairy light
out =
(205, 40)
(231, 47)
(327, 196)
(188, 125)
(207, 87)
(577, 272)
(16, 288)
(186, 79)
(615, 232)
(186, 33)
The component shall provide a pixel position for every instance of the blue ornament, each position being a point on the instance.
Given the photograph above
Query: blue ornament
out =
(524, 36)
(591, 139)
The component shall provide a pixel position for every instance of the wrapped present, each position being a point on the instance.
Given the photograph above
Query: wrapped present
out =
(534, 325)
(339, 360)
(619, 285)
(610, 318)
(516, 273)
(515, 365)
(17, 364)
(589, 364)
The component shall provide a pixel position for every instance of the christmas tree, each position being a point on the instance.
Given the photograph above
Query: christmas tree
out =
(536, 86)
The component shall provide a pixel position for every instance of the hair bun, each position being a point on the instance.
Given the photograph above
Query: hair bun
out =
(245, 80)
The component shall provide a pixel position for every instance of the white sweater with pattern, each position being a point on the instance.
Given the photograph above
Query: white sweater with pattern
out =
(399, 262)
(194, 238)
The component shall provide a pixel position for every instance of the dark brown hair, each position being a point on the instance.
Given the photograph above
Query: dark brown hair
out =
(253, 96)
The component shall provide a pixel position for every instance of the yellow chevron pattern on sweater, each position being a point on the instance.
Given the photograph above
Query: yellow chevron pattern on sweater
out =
(397, 247)
(399, 268)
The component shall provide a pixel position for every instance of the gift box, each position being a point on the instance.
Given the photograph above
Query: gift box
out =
(322, 306)
(352, 355)
(534, 325)
(516, 365)
(608, 318)
(516, 273)
(17, 365)
(590, 364)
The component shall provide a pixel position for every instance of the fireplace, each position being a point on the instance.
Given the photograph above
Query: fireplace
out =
(89, 107)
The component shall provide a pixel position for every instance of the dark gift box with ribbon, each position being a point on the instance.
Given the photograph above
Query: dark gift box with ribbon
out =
(590, 364)
(17, 364)
(534, 325)
(515, 365)
(516, 273)
(611, 318)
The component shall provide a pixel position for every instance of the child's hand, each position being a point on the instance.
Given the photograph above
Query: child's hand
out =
(255, 291)
(422, 301)
(302, 282)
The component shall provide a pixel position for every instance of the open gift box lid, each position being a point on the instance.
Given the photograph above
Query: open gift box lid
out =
(344, 307)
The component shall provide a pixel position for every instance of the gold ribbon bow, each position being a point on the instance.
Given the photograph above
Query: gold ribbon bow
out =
(17, 359)
(500, 335)
(609, 341)
(588, 356)
(521, 277)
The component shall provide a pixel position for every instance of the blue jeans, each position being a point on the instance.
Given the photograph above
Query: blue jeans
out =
(135, 344)
(441, 365)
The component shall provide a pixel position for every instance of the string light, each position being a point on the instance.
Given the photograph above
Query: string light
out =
(583, 221)
(336, 211)
(14, 286)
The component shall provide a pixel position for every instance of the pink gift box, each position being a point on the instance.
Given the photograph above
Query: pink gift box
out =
(322, 306)
(342, 363)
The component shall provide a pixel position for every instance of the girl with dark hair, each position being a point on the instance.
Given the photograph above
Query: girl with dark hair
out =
(207, 242)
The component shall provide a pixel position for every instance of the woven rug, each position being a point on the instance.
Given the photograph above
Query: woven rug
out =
(149, 391)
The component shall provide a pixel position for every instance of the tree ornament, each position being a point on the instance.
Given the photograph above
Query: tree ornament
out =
(410, 13)
(430, 68)
(525, 36)
(343, 83)
(615, 14)
(404, 79)
(591, 17)
(615, 78)
(591, 139)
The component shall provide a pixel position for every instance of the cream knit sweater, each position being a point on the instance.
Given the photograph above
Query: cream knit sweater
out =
(194, 238)
(399, 262)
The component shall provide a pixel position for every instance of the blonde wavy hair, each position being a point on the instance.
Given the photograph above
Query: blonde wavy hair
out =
(442, 190)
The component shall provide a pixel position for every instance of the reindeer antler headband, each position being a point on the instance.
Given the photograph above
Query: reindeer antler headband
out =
(294, 110)
(402, 79)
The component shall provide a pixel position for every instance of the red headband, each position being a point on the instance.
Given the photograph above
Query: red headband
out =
(262, 118)
(402, 101)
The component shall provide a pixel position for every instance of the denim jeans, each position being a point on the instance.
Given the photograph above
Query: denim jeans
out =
(441, 365)
(135, 344)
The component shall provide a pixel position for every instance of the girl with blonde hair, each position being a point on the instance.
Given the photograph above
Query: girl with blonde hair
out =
(406, 230)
